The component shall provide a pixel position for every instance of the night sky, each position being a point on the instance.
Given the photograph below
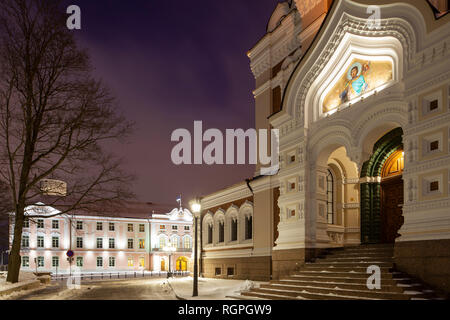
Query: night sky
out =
(170, 63)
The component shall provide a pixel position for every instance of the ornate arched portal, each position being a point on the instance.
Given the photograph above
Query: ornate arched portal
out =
(382, 190)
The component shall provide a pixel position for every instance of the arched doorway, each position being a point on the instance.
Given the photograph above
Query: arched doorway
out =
(382, 190)
(182, 264)
(392, 196)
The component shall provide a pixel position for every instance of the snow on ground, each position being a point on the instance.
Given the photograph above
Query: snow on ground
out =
(24, 277)
(209, 289)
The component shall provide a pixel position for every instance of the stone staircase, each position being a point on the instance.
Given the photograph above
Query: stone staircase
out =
(341, 274)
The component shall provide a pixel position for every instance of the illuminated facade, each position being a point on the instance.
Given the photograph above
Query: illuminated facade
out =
(106, 243)
(363, 112)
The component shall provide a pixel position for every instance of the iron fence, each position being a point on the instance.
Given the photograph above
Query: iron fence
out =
(119, 275)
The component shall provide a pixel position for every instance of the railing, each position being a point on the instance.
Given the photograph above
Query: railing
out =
(119, 275)
(177, 250)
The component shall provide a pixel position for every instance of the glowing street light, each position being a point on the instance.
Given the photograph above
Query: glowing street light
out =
(170, 249)
(196, 208)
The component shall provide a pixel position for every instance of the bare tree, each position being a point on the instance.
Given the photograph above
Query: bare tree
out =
(55, 118)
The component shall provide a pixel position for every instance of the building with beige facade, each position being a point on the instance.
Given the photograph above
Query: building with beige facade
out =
(360, 93)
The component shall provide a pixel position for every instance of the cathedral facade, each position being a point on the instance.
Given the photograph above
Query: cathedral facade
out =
(360, 93)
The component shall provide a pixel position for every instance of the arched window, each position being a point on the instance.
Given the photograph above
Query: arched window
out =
(221, 231)
(248, 227)
(234, 228)
(162, 242)
(210, 233)
(330, 197)
(187, 242)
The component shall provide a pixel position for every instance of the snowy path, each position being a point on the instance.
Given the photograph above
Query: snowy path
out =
(137, 289)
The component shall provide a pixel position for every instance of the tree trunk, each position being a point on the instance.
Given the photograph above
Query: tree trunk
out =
(14, 261)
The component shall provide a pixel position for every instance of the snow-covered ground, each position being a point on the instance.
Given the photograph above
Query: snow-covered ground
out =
(209, 289)
(24, 277)
(139, 289)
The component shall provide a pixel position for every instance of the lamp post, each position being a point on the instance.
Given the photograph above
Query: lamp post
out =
(196, 208)
(169, 249)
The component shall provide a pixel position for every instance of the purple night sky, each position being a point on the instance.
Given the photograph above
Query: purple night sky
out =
(170, 63)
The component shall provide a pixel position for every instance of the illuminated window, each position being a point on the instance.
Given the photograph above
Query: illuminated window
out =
(79, 262)
(40, 241)
(174, 242)
(79, 242)
(25, 261)
(99, 226)
(293, 213)
(130, 243)
(162, 227)
(130, 227)
(130, 262)
(142, 228)
(162, 242)
(112, 243)
(55, 224)
(99, 243)
(141, 244)
(112, 261)
(187, 242)
(55, 242)
(55, 262)
(142, 262)
(330, 197)
(99, 262)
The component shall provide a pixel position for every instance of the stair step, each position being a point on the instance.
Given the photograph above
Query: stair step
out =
(361, 265)
(366, 293)
(338, 274)
(289, 294)
(347, 259)
(266, 296)
(330, 277)
(390, 287)
(241, 297)
(341, 274)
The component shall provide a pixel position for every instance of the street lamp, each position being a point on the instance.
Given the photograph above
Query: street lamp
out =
(196, 208)
(169, 249)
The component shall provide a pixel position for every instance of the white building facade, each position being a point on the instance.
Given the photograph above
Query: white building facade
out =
(360, 93)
